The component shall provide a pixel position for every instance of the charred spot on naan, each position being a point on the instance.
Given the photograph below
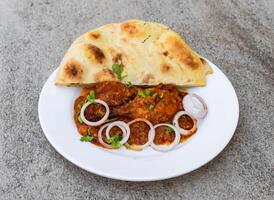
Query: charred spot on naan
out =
(104, 75)
(73, 70)
(206, 66)
(148, 78)
(130, 28)
(94, 35)
(94, 53)
(118, 57)
(134, 29)
(165, 68)
(165, 53)
(203, 61)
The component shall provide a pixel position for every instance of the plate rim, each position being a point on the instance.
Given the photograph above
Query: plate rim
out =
(142, 179)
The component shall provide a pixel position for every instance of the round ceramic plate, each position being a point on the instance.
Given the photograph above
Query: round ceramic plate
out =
(215, 131)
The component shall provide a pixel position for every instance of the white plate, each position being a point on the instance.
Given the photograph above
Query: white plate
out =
(55, 113)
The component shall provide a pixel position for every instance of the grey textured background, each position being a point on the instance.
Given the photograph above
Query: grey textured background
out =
(236, 35)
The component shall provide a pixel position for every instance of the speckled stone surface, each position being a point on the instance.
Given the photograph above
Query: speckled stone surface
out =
(238, 36)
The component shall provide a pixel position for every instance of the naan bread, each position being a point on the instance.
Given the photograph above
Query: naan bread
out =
(150, 53)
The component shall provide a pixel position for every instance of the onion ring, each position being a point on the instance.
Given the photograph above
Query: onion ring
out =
(100, 138)
(164, 147)
(97, 123)
(195, 106)
(177, 125)
(151, 134)
(123, 126)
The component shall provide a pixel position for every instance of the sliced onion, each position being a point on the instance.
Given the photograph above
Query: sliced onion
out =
(100, 138)
(177, 125)
(195, 106)
(97, 123)
(123, 126)
(164, 147)
(151, 134)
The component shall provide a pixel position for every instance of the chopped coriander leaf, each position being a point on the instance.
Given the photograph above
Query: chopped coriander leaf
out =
(144, 93)
(116, 145)
(91, 96)
(115, 140)
(147, 92)
(141, 93)
(128, 84)
(80, 119)
(150, 107)
(169, 129)
(86, 138)
(117, 69)
(110, 120)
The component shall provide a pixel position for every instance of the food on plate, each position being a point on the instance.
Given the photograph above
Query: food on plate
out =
(112, 114)
(132, 73)
(135, 51)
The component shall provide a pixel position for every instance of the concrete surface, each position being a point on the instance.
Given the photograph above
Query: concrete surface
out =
(236, 35)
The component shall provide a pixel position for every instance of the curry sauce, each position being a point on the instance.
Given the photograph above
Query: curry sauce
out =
(157, 104)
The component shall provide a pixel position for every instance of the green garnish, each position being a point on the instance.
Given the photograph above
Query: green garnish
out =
(117, 69)
(150, 107)
(144, 93)
(141, 93)
(86, 138)
(80, 119)
(110, 120)
(91, 96)
(148, 92)
(169, 129)
(115, 140)
(128, 84)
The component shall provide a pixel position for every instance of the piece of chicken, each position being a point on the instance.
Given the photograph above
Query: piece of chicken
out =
(112, 92)
(158, 104)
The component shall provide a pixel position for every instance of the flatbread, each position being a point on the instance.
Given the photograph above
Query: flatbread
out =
(150, 53)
